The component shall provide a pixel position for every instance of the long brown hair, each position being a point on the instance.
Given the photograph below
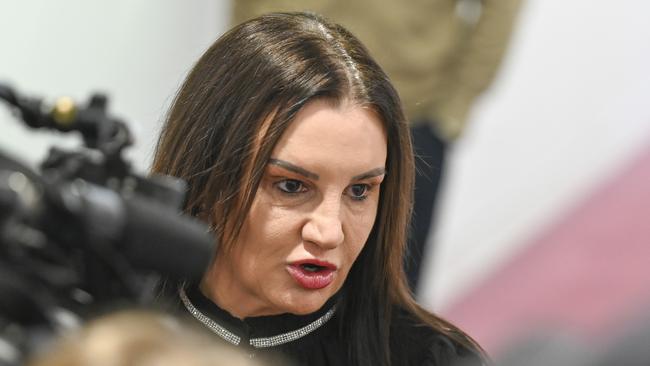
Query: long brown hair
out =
(232, 109)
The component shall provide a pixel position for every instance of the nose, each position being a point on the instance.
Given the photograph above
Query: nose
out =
(324, 226)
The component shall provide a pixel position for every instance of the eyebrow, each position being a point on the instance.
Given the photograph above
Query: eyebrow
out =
(294, 168)
(306, 173)
(370, 174)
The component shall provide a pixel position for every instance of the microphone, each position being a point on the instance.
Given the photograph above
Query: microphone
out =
(149, 234)
(162, 240)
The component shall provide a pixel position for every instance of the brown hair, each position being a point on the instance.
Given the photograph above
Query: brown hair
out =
(232, 109)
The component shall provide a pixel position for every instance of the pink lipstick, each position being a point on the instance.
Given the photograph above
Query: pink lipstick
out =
(312, 274)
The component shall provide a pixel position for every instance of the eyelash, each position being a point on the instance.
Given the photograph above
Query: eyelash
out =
(302, 188)
(293, 181)
(366, 191)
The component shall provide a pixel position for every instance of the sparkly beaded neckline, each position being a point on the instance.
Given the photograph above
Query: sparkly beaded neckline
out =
(263, 342)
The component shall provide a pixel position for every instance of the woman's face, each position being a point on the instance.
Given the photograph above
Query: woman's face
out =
(311, 215)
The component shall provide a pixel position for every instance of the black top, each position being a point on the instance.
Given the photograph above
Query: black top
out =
(319, 344)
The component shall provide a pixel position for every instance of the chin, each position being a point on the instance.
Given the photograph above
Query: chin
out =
(303, 305)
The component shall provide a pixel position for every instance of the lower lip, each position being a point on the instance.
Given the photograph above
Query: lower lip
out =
(311, 280)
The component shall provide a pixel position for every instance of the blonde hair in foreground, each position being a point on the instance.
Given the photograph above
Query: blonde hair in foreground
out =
(138, 338)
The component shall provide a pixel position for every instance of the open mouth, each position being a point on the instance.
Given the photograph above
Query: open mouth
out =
(310, 267)
(314, 265)
(312, 274)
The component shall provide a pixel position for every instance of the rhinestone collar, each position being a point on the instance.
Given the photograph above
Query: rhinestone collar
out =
(263, 342)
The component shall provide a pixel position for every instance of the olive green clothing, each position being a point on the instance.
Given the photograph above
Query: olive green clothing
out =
(439, 54)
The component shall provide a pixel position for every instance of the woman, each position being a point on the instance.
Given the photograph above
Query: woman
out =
(297, 153)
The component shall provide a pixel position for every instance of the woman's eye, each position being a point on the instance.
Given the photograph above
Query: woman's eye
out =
(359, 191)
(291, 186)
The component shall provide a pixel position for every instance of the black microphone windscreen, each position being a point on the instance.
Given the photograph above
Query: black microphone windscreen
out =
(165, 240)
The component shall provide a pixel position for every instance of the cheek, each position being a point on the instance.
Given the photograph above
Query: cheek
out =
(358, 230)
(269, 229)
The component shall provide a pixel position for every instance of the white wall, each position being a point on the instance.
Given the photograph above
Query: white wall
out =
(136, 51)
(571, 106)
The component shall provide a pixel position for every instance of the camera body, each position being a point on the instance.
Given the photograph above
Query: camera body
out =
(85, 234)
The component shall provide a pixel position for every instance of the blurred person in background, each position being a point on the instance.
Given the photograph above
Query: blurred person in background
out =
(139, 338)
(440, 55)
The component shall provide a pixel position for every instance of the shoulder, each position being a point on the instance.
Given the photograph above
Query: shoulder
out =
(413, 342)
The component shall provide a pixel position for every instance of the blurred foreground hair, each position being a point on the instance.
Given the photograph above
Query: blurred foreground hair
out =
(139, 338)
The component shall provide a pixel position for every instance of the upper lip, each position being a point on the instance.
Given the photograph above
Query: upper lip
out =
(316, 262)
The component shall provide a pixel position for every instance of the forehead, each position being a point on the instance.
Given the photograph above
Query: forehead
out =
(322, 130)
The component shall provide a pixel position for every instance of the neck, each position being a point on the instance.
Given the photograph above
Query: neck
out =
(219, 285)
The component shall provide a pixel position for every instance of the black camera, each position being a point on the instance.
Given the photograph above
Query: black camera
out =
(85, 233)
